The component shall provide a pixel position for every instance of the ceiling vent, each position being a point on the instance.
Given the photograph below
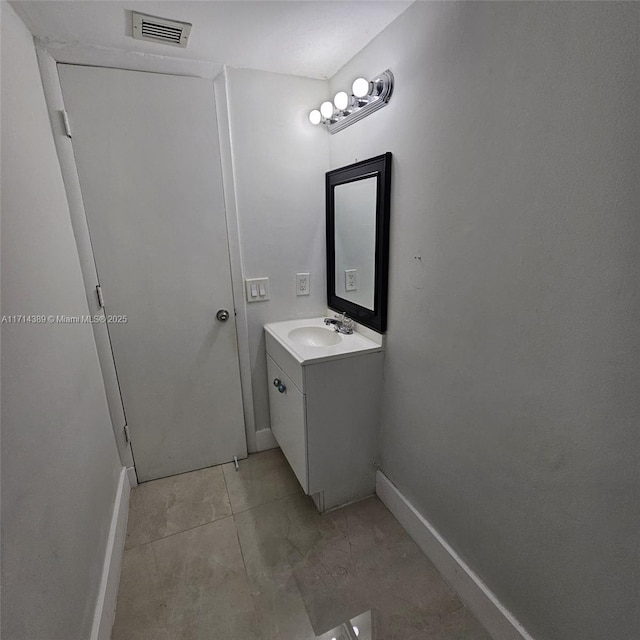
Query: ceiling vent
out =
(160, 30)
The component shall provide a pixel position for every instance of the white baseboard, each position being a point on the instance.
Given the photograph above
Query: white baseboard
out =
(265, 440)
(491, 613)
(108, 595)
(133, 478)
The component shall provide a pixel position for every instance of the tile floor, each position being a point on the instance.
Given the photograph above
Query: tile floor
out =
(243, 555)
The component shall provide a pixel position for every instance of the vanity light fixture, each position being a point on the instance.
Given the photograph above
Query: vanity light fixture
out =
(366, 97)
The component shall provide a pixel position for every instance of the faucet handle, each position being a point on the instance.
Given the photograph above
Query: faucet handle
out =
(346, 323)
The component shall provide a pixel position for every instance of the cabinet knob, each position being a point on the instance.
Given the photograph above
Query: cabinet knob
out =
(278, 384)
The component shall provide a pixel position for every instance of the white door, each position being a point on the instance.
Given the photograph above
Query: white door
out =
(147, 152)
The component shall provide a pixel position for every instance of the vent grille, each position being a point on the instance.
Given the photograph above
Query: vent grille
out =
(162, 30)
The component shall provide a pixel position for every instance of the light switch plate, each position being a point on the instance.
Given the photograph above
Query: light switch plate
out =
(257, 289)
(302, 284)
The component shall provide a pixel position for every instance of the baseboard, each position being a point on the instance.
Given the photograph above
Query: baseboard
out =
(265, 440)
(108, 594)
(133, 478)
(491, 613)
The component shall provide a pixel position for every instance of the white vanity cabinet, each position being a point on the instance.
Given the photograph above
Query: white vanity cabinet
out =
(325, 412)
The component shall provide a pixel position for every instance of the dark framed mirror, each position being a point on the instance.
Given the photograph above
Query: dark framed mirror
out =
(358, 211)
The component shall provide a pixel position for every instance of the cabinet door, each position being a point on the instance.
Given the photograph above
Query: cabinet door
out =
(288, 421)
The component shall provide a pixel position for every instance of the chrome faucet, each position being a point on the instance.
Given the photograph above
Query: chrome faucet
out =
(341, 323)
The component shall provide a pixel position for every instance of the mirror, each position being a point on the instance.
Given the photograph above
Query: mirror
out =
(358, 199)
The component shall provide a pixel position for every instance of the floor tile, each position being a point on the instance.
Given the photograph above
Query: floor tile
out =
(281, 613)
(188, 586)
(202, 575)
(275, 569)
(163, 507)
(141, 611)
(368, 562)
(275, 536)
(344, 563)
(272, 537)
(261, 478)
(384, 571)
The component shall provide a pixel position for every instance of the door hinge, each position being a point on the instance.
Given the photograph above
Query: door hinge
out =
(67, 124)
(127, 435)
(100, 296)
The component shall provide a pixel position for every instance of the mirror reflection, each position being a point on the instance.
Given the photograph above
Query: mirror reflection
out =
(355, 240)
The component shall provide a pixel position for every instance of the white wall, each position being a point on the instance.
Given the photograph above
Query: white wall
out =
(279, 162)
(60, 465)
(512, 370)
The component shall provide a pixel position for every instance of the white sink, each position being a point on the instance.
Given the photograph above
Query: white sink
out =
(314, 336)
(311, 341)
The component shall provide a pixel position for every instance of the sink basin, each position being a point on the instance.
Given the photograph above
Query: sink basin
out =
(310, 341)
(314, 336)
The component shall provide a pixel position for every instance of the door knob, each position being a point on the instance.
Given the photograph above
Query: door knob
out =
(222, 315)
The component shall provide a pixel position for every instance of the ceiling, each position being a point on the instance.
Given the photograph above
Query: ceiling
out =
(310, 38)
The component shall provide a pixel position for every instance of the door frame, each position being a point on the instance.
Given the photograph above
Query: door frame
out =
(49, 54)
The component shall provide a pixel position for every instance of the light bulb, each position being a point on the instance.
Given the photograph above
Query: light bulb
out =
(326, 109)
(356, 631)
(315, 117)
(360, 87)
(341, 100)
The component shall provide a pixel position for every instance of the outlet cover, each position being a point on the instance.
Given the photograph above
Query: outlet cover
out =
(350, 279)
(302, 284)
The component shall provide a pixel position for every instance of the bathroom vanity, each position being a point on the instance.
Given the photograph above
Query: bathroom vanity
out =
(325, 385)
(324, 394)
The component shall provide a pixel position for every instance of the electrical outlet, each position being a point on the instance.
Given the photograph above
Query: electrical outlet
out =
(350, 279)
(302, 284)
